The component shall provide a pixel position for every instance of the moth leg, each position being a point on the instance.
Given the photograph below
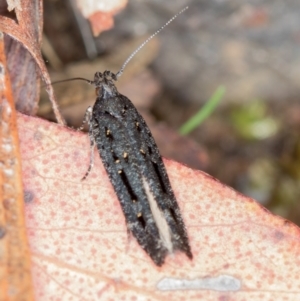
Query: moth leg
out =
(86, 118)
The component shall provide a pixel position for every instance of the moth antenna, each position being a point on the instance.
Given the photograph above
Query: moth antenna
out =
(119, 73)
(70, 79)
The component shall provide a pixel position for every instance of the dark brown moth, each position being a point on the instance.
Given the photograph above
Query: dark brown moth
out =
(135, 169)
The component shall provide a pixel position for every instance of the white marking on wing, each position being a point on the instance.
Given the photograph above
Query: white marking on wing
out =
(159, 218)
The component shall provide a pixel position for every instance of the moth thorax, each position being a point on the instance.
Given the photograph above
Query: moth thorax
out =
(106, 89)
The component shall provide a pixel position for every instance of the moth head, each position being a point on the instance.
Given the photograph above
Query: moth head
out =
(104, 83)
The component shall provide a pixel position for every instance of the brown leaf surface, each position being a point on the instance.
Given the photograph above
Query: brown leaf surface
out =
(81, 250)
(27, 30)
(24, 76)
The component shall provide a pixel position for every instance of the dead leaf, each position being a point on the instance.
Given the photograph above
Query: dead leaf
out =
(24, 76)
(81, 250)
(15, 270)
(27, 30)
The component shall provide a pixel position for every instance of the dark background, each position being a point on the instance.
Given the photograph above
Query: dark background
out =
(251, 141)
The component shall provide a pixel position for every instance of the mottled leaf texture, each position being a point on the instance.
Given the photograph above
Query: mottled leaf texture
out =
(80, 247)
(136, 170)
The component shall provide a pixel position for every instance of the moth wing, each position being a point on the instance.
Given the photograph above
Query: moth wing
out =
(138, 175)
(154, 171)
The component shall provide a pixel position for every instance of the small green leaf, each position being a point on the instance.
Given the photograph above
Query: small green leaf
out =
(204, 112)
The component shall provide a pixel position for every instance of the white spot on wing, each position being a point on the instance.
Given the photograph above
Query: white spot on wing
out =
(159, 218)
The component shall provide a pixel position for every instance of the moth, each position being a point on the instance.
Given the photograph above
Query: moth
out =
(135, 168)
